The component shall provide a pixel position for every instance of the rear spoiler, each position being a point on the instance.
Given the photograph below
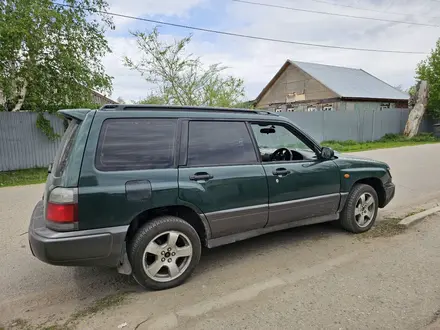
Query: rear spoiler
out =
(78, 114)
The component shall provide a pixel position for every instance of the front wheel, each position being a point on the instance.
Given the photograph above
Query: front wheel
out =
(360, 209)
(164, 253)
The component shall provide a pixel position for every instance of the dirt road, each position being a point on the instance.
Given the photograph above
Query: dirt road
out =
(315, 277)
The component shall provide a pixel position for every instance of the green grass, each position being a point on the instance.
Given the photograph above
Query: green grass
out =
(388, 141)
(23, 177)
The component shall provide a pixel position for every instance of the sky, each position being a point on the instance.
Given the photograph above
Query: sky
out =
(257, 61)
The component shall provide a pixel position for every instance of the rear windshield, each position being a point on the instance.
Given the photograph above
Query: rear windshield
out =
(65, 148)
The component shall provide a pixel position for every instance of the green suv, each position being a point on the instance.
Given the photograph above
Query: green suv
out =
(142, 188)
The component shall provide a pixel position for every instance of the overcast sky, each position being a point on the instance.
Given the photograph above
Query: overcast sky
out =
(257, 61)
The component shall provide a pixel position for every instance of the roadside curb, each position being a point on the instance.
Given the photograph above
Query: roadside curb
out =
(413, 219)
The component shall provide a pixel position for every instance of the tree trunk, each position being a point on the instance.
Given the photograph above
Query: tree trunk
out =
(416, 114)
(21, 97)
(2, 101)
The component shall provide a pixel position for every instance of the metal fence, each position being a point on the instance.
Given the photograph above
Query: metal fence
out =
(23, 145)
(368, 125)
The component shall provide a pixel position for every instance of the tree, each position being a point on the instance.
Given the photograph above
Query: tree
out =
(429, 70)
(50, 55)
(120, 100)
(181, 78)
(153, 98)
(416, 114)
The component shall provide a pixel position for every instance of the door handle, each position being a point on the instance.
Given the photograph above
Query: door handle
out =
(201, 176)
(281, 172)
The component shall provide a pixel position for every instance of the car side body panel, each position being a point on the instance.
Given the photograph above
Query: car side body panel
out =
(360, 168)
(115, 198)
(234, 200)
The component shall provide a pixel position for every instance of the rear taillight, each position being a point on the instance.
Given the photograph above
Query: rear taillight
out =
(62, 206)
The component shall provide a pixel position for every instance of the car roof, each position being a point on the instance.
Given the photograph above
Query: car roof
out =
(187, 111)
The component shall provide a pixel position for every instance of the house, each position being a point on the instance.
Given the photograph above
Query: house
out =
(301, 86)
(100, 99)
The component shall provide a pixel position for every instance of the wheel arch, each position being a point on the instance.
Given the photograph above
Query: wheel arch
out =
(195, 219)
(377, 185)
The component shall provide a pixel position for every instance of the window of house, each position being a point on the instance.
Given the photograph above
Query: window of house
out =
(385, 106)
(136, 144)
(327, 107)
(219, 143)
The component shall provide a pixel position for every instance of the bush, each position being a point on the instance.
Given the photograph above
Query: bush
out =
(425, 137)
(392, 137)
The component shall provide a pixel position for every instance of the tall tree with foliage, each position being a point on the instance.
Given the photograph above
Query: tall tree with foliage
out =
(50, 55)
(429, 71)
(181, 78)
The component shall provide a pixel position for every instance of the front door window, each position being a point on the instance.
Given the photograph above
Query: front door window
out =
(276, 143)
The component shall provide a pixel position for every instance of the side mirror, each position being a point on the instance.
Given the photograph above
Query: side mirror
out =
(327, 153)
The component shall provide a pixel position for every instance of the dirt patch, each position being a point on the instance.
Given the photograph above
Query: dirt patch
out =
(388, 227)
(384, 228)
(96, 307)
(99, 306)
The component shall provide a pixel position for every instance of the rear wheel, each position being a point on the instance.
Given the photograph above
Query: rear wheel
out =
(360, 209)
(164, 253)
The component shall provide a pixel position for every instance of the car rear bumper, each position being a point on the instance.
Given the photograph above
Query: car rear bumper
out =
(95, 247)
(390, 190)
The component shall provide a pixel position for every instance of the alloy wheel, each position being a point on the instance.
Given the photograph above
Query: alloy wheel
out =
(365, 210)
(167, 256)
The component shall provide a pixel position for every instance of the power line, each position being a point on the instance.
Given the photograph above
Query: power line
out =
(365, 9)
(333, 14)
(232, 34)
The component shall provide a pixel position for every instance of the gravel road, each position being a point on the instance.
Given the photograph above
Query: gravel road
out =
(314, 277)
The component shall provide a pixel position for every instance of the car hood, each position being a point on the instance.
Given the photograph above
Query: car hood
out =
(353, 160)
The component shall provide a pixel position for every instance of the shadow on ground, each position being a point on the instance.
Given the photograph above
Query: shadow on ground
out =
(86, 278)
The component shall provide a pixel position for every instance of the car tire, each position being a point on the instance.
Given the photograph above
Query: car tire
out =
(360, 210)
(164, 252)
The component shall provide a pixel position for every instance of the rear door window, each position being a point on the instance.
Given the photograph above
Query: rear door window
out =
(220, 143)
(136, 144)
(65, 148)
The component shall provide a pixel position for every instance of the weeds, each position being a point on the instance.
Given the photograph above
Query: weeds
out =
(23, 177)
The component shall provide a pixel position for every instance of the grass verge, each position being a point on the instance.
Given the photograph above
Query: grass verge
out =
(23, 177)
(387, 141)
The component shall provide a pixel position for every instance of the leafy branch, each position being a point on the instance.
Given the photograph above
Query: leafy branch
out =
(180, 77)
(44, 125)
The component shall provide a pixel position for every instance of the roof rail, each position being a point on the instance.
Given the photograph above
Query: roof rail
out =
(154, 107)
